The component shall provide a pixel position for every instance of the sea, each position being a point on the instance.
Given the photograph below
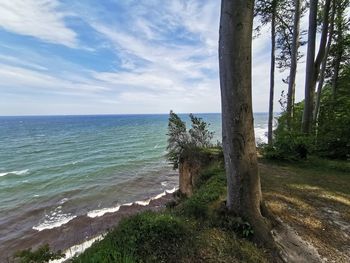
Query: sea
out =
(54, 169)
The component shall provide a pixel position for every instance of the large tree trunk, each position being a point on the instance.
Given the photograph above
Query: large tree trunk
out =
(324, 65)
(309, 92)
(294, 61)
(272, 72)
(243, 181)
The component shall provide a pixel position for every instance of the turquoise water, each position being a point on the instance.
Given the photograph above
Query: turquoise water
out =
(53, 169)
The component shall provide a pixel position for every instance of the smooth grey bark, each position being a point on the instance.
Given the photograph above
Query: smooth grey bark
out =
(243, 182)
(294, 62)
(324, 65)
(339, 47)
(309, 93)
(323, 42)
(272, 72)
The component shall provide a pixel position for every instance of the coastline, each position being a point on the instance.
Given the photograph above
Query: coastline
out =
(80, 232)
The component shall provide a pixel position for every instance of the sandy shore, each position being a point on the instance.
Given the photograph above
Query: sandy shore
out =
(78, 230)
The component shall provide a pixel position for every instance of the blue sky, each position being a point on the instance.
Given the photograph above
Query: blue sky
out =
(117, 57)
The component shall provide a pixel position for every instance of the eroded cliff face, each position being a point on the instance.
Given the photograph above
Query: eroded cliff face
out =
(189, 172)
(191, 166)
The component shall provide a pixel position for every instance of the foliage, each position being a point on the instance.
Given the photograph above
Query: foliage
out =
(289, 143)
(146, 237)
(333, 131)
(41, 255)
(330, 137)
(181, 141)
(178, 138)
(199, 134)
(211, 189)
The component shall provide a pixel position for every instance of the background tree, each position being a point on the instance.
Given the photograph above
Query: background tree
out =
(324, 63)
(294, 61)
(243, 182)
(341, 42)
(309, 92)
(267, 11)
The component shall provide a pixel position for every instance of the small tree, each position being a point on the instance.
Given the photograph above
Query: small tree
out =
(178, 138)
(180, 141)
(199, 134)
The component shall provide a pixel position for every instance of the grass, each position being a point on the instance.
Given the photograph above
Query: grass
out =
(313, 197)
(186, 232)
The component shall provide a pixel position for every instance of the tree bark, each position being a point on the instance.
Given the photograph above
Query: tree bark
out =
(294, 61)
(272, 72)
(243, 182)
(339, 48)
(309, 92)
(324, 65)
(322, 49)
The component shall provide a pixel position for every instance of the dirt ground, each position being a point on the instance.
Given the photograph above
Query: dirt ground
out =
(314, 201)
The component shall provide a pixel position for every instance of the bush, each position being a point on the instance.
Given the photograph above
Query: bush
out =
(198, 205)
(146, 237)
(228, 221)
(41, 255)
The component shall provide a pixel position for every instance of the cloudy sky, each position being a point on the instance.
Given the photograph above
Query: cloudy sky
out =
(117, 57)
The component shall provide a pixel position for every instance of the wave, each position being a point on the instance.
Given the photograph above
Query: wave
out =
(260, 135)
(101, 212)
(77, 249)
(55, 219)
(21, 172)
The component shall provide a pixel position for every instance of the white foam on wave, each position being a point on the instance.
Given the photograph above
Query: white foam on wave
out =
(143, 203)
(101, 212)
(260, 135)
(55, 218)
(146, 202)
(21, 172)
(77, 249)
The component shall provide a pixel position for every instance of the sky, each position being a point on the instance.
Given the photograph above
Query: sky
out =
(61, 57)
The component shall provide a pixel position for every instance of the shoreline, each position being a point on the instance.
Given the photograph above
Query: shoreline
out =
(82, 229)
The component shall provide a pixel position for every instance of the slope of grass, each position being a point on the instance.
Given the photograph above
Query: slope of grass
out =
(187, 232)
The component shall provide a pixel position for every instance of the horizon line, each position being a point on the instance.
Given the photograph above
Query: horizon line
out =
(112, 114)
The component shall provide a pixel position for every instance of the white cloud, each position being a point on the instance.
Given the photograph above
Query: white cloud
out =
(165, 58)
(19, 77)
(41, 19)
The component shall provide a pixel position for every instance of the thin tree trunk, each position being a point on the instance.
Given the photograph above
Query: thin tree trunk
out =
(309, 93)
(272, 73)
(323, 42)
(339, 52)
(294, 61)
(243, 182)
(324, 65)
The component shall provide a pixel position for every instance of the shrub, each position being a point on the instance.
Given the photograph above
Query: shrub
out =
(146, 237)
(41, 255)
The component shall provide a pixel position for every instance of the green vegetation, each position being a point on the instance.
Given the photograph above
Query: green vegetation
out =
(200, 229)
(41, 255)
(182, 142)
(189, 230)
(331, 135)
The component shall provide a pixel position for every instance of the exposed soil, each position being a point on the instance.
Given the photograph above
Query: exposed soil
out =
(314, 206)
